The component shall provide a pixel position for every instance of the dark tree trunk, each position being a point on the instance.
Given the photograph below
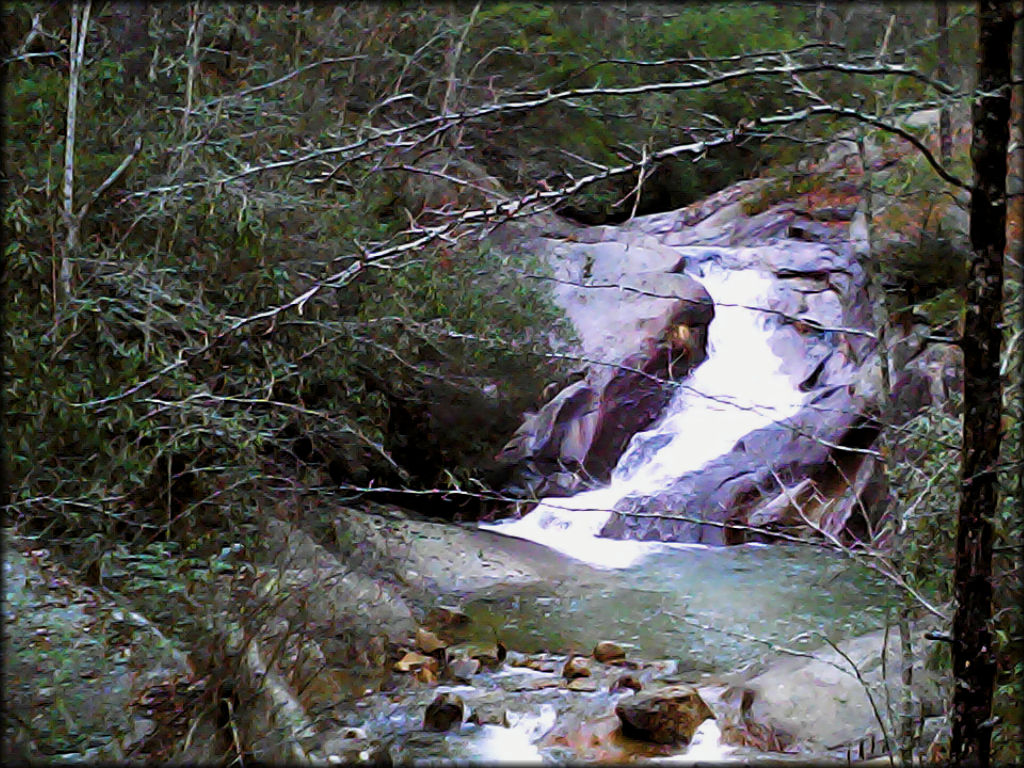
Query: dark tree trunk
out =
(974, 666)
(945, 127)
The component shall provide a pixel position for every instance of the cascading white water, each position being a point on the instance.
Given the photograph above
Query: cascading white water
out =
(738, 389)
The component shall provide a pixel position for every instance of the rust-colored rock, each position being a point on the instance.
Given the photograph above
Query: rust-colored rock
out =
(626, 683)
(413, 661)
(428, 642)
(447, 616)
(426, 675)
(666, 716)
(606, 652)
(575, 667)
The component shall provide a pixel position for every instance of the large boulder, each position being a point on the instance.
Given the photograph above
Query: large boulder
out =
(421, 559)
(832, 701)
(90, 679)
(667, 715)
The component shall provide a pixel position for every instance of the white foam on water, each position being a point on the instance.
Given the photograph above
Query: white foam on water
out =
(516, 744)
(738, 389)
(705, 747)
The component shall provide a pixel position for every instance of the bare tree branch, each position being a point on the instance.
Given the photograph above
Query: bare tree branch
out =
(79, 32)
(863, 117)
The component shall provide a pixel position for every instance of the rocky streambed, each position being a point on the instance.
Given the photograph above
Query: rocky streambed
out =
(682, 659)
(518, 654)
(466, 645)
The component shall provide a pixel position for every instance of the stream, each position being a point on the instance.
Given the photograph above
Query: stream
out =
(695, 614)
(700, 615)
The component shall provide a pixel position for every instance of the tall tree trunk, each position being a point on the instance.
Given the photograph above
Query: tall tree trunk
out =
(945, 127)
(1015, 252)
(974, 666)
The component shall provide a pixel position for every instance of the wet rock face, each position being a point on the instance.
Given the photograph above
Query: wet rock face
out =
(726, 489)
(618, 287)
(640, 326)
(666, 716)
(818, 290)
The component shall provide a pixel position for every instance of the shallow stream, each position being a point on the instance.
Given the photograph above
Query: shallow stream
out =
(707, 617)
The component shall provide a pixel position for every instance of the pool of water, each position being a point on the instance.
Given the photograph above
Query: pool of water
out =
(711, 609)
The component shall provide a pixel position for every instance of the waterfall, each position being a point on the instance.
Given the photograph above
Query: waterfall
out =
(738, 389)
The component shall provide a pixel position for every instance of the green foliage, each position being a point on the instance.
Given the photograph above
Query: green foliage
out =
(160, 279)
(925, 487)
(723, 30)
(558, 48)
(929, 275)
(149, 426)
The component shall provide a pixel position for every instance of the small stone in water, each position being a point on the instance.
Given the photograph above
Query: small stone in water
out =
(575, 667)
(413, 661)
(626, 682)
(582, 684)
(665, 716)
(490, 655)
(426, 675)
(625, 664)
(541, 665)
(447, 616)
(463, 669)
(445, 711)
(607, 651)
(498, 717)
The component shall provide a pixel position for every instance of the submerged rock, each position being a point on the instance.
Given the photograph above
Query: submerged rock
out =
(538, 663)
(490, 655)
(665, 716)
